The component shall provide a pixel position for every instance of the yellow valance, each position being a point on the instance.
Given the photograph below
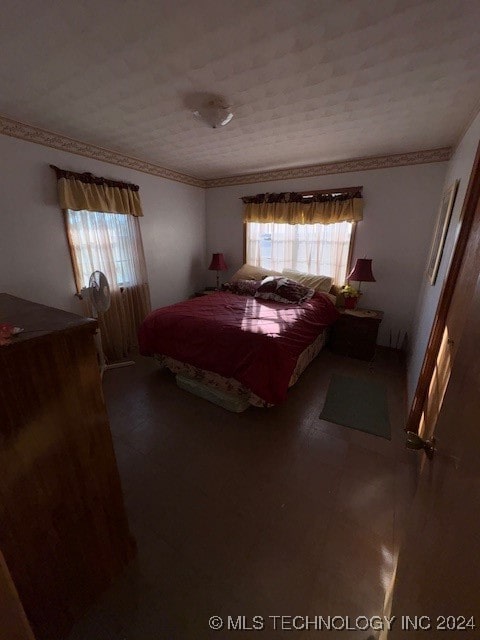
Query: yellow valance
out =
(86, 192)
(295, 208)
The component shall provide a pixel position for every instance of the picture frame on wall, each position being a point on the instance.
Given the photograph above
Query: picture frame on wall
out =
(441, 229)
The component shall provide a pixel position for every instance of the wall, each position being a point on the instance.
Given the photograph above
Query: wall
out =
(400, 208)
(34, 258)
(459, 167)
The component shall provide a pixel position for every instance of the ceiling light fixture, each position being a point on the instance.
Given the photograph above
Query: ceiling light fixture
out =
(215, 113)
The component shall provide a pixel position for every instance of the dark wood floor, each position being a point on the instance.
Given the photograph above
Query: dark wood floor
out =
(268, 512)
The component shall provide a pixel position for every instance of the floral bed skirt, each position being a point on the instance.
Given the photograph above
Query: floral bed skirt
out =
(232, 386)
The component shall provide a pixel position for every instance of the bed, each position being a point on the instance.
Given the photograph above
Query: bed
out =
(248, 348)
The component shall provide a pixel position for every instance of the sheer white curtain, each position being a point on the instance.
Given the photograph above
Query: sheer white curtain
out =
(109, 242)
(320, 249)
(112, 243)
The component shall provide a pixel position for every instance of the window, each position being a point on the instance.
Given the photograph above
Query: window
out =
(107, 242)
(320, 249)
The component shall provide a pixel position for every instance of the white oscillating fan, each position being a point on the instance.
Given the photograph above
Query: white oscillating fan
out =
(98, 292)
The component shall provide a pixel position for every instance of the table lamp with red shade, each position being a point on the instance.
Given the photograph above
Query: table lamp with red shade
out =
(218, 264)
(361, 272)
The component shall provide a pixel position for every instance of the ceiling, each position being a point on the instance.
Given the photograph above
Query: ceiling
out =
(311, 81)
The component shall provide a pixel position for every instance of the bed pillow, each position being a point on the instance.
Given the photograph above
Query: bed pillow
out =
(319, 283)
(249, 272)
(330, 296)
(283, 290)
(243, 287)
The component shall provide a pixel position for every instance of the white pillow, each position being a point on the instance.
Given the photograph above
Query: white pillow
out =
(249, 272)
(319, 283)
(331, 297)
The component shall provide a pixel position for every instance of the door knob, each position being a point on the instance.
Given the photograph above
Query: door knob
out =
(414, 441)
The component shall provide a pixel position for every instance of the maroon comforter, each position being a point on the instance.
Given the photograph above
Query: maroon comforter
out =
(256, 342)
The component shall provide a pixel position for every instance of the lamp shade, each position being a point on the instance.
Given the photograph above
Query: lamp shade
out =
(218, 263)
(362, 271)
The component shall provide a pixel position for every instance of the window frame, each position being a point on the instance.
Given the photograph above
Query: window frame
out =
(350, 248)
(74, 258)
(310, 193)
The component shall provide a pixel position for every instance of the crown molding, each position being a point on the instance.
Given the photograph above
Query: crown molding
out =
(345, 166)
(30, 133)
(17, 129)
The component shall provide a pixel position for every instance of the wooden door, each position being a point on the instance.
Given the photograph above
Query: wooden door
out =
(452, 311)
(454, 323)
(437, 582)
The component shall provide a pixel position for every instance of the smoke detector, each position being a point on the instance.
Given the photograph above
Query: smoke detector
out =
(214, 112)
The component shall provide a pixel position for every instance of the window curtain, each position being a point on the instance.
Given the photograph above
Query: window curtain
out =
(318, 248)
(107, 238)
(86, 192)
(295, 208)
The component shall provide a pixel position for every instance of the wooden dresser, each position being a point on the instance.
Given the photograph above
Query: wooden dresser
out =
(63, 527)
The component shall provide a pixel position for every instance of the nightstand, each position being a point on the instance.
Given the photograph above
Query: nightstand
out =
(355, 333)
